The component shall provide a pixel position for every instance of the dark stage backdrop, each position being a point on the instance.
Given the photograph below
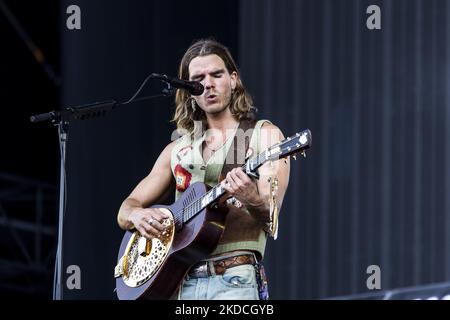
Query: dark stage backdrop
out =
(119, 44)
(373, 188)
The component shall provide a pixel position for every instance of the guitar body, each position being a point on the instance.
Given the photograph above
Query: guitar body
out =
(195, 241)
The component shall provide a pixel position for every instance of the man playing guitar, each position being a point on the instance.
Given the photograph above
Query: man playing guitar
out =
(224, 110)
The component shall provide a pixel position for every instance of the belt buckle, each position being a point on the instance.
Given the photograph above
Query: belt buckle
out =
(201, 271)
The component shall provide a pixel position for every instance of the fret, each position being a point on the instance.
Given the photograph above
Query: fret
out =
(257, 161)
(260, 158)
(205, 199)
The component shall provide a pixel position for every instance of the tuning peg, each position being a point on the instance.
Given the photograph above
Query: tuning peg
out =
(303, 154)
(294, 157)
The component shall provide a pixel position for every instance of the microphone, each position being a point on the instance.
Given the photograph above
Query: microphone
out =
(194, 87)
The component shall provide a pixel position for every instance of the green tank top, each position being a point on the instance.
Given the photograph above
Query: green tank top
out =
(241, 232)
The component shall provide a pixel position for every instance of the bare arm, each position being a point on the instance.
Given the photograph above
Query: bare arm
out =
(132, 213)
(280, 169)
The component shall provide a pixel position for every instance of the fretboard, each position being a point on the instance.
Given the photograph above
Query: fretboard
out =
(216, 192)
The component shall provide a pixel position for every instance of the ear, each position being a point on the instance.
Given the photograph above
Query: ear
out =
(233, 77)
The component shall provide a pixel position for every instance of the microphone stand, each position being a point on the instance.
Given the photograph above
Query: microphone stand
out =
(61, 119)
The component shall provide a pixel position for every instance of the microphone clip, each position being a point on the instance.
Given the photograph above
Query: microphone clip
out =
(169, 91)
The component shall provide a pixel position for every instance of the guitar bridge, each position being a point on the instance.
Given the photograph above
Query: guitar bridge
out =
(144, 247)
(142, 257)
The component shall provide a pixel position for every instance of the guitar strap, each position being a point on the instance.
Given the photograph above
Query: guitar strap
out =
(242, 230)
(237, 152)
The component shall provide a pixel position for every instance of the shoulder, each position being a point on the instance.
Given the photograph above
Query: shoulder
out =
(269, 129)
(178, 141)
(178, 144)
(267, 125)
(171, 145)
(267, 134)
(167, 151)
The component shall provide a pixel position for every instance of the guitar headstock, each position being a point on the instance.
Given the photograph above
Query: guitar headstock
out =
(296, 144)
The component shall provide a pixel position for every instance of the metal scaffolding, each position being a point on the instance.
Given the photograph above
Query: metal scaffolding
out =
(28, 235)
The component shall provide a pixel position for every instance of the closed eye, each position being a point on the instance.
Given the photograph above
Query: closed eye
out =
(197, 78)
(217, 74)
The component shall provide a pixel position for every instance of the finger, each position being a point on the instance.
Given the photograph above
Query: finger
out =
(150, 229)
(226, 186)
(144, 233)
(156, 221)
(241, 175)
(237, 180)
(230, 180)
(156, 225)
(160, 215)
(150, 212)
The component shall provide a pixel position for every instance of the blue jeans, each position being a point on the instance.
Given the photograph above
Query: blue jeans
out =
(237, 283)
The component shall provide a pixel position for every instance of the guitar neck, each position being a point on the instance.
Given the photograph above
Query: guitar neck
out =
(297, 143)
(218, 191)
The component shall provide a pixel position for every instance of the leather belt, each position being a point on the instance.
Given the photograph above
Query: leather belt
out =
(203, 269)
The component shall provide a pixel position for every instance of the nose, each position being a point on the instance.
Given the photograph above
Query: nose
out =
(208, 82)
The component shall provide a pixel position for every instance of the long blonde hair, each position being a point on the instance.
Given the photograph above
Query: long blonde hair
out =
(241, 104)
